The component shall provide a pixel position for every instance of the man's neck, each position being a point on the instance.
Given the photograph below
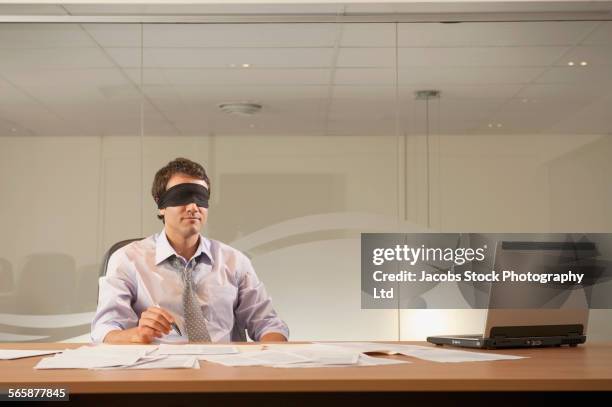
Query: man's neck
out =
(183, 246)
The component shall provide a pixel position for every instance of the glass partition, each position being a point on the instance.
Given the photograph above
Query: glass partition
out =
(311, 134)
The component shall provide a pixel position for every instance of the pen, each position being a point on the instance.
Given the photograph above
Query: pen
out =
(176, 328)
(172, 324)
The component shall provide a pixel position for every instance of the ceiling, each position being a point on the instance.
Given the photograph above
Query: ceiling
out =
(311, 78)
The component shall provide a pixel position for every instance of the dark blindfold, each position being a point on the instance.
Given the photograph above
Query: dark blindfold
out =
(184, 194)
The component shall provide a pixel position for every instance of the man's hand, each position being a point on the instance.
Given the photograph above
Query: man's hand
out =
(273, 337)
(154, 322)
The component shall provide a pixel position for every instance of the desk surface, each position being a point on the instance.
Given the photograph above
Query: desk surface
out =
(586, 367)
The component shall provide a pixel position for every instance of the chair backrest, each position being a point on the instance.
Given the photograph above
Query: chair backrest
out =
(112, 250)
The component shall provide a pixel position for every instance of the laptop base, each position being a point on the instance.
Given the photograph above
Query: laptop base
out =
(476, 341)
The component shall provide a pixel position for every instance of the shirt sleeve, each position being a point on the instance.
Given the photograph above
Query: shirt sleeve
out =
(116, 291)
(254, 309)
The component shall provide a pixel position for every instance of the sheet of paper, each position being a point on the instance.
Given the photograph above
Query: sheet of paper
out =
(91, 357)
(161, 362)
(455, 356)
(364, 360)
(127, 348)
(363, 347)
(433, 354)
(318, 353)
(90, 362)
(195, 349)
(6, 354)
(170, 362)
(258, 358)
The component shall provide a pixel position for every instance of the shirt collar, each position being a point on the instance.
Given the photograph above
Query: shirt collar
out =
(163, 248)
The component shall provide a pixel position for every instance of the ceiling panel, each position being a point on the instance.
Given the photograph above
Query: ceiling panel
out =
(438, 76)
(600, 36)
(364, 76)
(238, 77)
(578, 75)
(65, 78)
(223, 58)
(594, 55)
(462, 75)
(366, 57)
(494, 34)
(43, 36)
(367, 34)
(239, 35)
(480, 56)
(559, 91)
(115, 35)
(53, 58)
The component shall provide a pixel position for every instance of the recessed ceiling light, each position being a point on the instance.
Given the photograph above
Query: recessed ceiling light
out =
(499, 125)
(583, 63)
(241, 108)
(252, 126)
(490, 125)
(525, 100)
(570, 63)
(232, 65)
(246, 65)
(13, 129)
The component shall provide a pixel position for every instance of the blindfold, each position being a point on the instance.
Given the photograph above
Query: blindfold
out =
(184, 194)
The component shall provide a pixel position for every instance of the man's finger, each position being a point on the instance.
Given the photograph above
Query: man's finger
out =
(154, 325)
(156, 317)
(162, 312)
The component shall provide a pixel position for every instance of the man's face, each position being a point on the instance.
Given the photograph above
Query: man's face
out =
(185, 220)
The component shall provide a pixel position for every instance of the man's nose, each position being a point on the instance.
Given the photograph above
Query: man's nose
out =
(192, 207)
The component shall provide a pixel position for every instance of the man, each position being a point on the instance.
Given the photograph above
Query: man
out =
(178, 285)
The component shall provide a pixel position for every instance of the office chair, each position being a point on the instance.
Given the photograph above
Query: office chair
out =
(112, 250)
(240, 331)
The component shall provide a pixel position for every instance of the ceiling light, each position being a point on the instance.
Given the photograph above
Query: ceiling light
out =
(252, 126)
(13, 129)
(570, 63)
(583, 63)
(490, 125)
(246, 65)
(241, 108)
(232, 65)
(499, 125)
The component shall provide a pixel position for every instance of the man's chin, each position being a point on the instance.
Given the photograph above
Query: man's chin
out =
(190, 230)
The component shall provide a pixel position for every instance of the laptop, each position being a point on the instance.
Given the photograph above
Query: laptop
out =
(530, 327)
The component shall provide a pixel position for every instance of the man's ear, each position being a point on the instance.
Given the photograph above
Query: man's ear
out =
(162, 212)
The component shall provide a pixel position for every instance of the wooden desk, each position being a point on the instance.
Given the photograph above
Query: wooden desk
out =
(584, 368)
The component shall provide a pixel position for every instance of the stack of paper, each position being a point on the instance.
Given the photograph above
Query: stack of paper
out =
(334, 354)
(134, 357)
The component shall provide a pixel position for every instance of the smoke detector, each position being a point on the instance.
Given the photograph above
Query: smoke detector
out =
(241, 108)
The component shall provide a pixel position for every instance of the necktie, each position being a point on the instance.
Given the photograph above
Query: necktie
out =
(195, 324)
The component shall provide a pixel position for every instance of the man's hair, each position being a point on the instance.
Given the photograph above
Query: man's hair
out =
(176, 166)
